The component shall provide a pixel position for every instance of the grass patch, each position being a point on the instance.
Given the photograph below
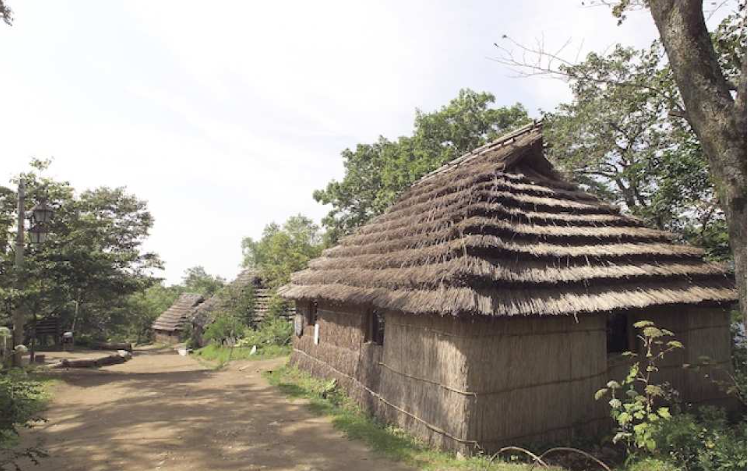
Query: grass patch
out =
(391, 442)
(224, 355)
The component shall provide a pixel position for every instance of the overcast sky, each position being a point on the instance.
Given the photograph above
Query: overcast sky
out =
(225, 115)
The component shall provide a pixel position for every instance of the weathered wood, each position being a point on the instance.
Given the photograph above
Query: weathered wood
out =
(113, 346)
(120, 357)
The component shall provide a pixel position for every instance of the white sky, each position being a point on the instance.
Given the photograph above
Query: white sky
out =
(226, 115)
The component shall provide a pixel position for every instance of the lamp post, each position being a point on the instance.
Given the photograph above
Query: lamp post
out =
(40, 216)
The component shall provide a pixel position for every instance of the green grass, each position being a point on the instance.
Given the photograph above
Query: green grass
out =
(385, 440)
(224, 355)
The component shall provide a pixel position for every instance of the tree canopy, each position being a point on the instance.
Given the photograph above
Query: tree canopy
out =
(283, 250)
(376, 174)
(197, 280)
(623, 136)
(93, 259)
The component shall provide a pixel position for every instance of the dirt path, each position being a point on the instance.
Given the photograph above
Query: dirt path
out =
(161, 411)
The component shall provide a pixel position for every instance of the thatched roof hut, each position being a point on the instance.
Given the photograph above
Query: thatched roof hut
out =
(497, 232)
(205, 313)
(493, 247)
(169, 325)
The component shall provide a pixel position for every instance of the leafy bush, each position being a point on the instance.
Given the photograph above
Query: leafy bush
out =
(224, 328)
(653, 464)
(272, 331)
(21, 400)
(640, 408)
(702, 442)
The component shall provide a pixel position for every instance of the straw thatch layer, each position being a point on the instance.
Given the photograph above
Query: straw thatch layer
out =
(204, 314)
(498, 232)
(174, 318)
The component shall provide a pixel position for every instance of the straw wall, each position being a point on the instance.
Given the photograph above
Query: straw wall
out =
(533, 378)
(162, 336)
(461, 382)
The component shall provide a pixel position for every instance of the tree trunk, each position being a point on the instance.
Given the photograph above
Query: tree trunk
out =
(718, 119)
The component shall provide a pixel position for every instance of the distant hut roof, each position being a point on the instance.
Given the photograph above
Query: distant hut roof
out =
(173, 319)
(204, 313)
(498, 232)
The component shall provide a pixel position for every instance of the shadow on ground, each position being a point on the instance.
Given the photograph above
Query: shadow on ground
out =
(163, 411)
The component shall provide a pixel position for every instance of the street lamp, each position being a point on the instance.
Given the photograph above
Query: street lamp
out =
(38, 233)
(41, 214)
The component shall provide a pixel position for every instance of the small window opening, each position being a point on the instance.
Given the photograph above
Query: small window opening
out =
(311, 314)
(618, 331)
(376, 328)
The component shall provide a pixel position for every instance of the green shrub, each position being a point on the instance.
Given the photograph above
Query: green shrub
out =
(21, 401)
(224, 328)
(637, 404)
(703, 441)
(653, 464)
(272, 331)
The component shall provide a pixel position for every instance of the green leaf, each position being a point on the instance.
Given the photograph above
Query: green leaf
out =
(643, 324)
(664, 412)
(600, 393)
(654, 390)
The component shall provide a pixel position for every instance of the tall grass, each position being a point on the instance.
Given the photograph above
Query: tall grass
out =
(223, 355)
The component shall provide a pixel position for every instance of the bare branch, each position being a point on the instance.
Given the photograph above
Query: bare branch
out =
(543, 63)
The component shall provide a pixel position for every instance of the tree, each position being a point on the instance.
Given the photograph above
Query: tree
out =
(132, 318)
(716, 115)
(376, 174)
(6, 14)
(283, 250)
(197, 280)
(92, 261)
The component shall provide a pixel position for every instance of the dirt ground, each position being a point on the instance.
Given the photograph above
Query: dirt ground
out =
(162, 411)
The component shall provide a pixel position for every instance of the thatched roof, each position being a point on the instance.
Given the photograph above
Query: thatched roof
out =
(204, 314)
(174, 318)
(498, 232)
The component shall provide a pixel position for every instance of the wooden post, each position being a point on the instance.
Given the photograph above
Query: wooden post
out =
(18, 317)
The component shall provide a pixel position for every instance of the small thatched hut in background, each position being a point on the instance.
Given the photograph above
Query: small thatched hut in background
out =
(204, 314)
(169, 325)
(488, 305)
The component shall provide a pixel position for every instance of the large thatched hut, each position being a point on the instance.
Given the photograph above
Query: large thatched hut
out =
(492, 300)
(167, 328)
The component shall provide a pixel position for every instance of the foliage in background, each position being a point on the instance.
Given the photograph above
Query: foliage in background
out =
(272, 330)
(283, 250)
(704, 441)
(270, 339)
(376, 174)
(624, 137)
(6, 14)
(92, 262)
(224, 328)
(197, 280)
(131, 321)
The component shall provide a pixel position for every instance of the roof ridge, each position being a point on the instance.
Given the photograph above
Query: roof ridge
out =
(496, 143)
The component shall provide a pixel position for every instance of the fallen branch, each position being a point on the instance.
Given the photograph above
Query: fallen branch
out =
(120, 357)
(113, 346)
